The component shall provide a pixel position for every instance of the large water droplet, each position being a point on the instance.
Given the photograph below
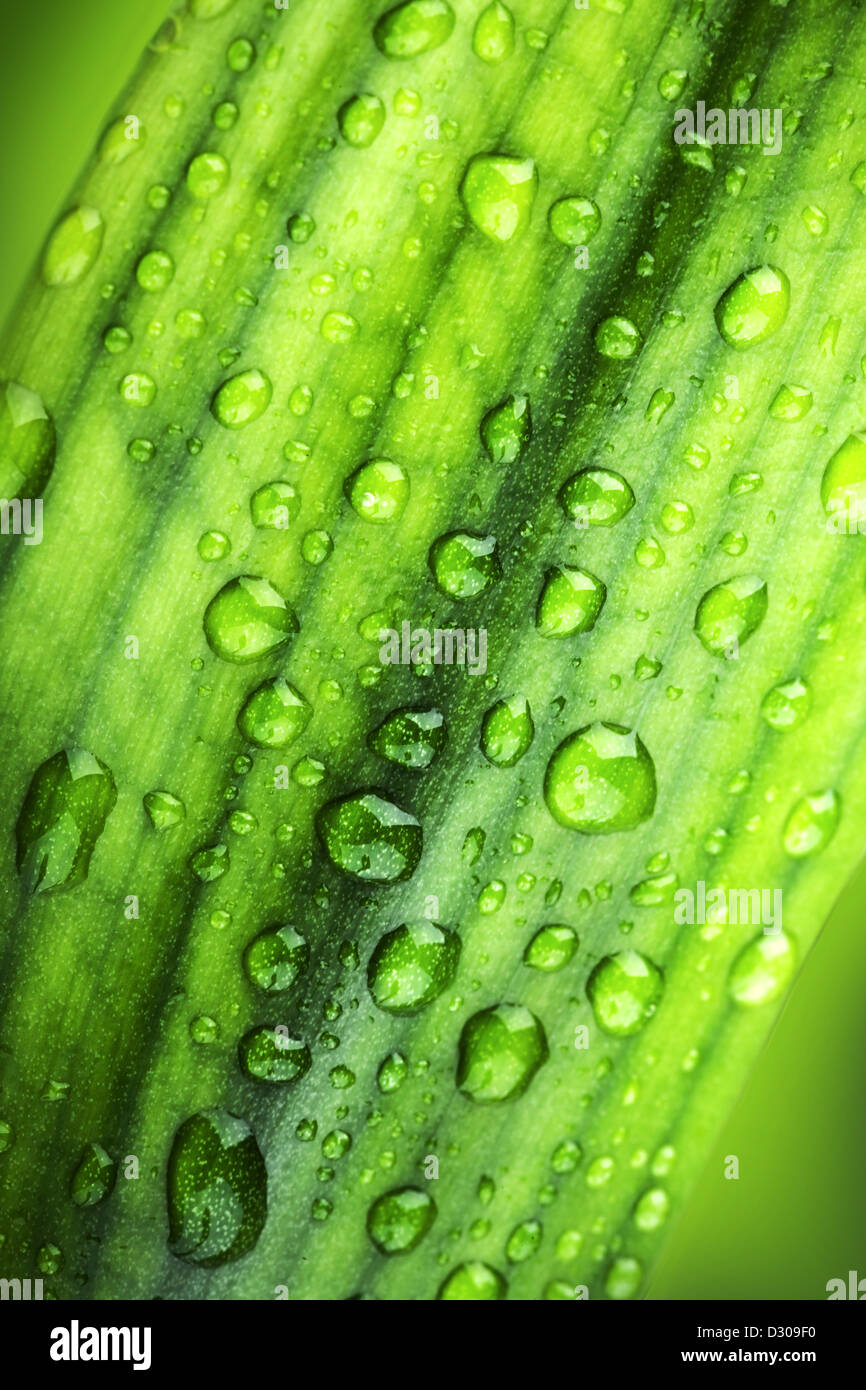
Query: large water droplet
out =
(63, 815)
(379, 490)
(754, 307)
(812, 824)
(360, 119)
(464, 564)
(551, 948)
(276, 958)
(27, 442)
(247, 619)
(207, 175)
(729, 613)
(618, 338)
(414, 27)
(843, 486)
(624, 990)
(500, 1051)
(493, 35)
(569, 602)
(763, 969)
(73, 247)
(507, 731)
(787, 705)
(274, 715)
(412, 965)
(270, 1054)
(274, 506)
(601, 779)
(506, 429)
(410, 737)
(399, 1220)
(217, 1189)
(242, 399)
(370, 837)
(94, 1177)
(596, 497)
(498, 193)
(473, 1281)
(121, 139)
(574, 221)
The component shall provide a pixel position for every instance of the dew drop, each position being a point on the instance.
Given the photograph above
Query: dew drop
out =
(361, 119)
(507, 731)
(763, 969)
(379, 490)
(493, 35)
(69, 799)
(399, 1220)
(412, 965)
(216, 1188)
(247, 619)
(498, 192)
(596, 497)
(370, 837)
(507, 429)
(551, 948)
(500, 1051)
(464, 564)
(601, 779)
(269, 1054)
(574, 220)
(729, 613)
(811, 824)
(415, 27)
(473, 1281)
(27, 442)
(570, 601)
(73, 247)
(410, 737)
(242, 399)
(754, 307)
(624, 990)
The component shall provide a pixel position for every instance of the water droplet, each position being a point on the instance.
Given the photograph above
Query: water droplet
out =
(493, 35)
(121, 139)
(410, 737)
(224, 116)
(574, 220)
(651, 1209)
(336, 1144)
(269, 1054)
(248, 619)
(217, 1189)
(551, 948)
(7, 1136)
(316, 547)
(412, 965)
(399, 1220)
(204, 1030)
(338, 327)
(137, 388)
(507, 731)
(360, 120)
(415, 27)
(596, 497)
(207, 175)
(498, 192)
(791, 403)
(274, 715)
(729, 613)
(763, 969)
(274, 506)
(242, 399)
(392, 1072)
(672, 83)
(69, 799)
(213, 545)
(617, 337)
(623, 1278)
(624, 990)
(473, 1281)
(155, 271)
(601, 779)
(754, 307)
(94, 1177)
(73, 247)
(464, 564)
(500, 1051)
(165, 810)
(210, 863)
(812, 824)
(507, 429)
(843, 485)
(371, 838)
(378, 490)
(276, 958)
(27, 442)
(241, 54)
(787, 705)
(523, 1242)
(570, 601)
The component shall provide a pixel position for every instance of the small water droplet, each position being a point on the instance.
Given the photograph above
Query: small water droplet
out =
(601, 779)
(624, 990)
(73, 247)
(498, 192)
(754, 307)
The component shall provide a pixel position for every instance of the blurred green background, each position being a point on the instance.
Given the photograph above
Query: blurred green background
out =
(797, 1215)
